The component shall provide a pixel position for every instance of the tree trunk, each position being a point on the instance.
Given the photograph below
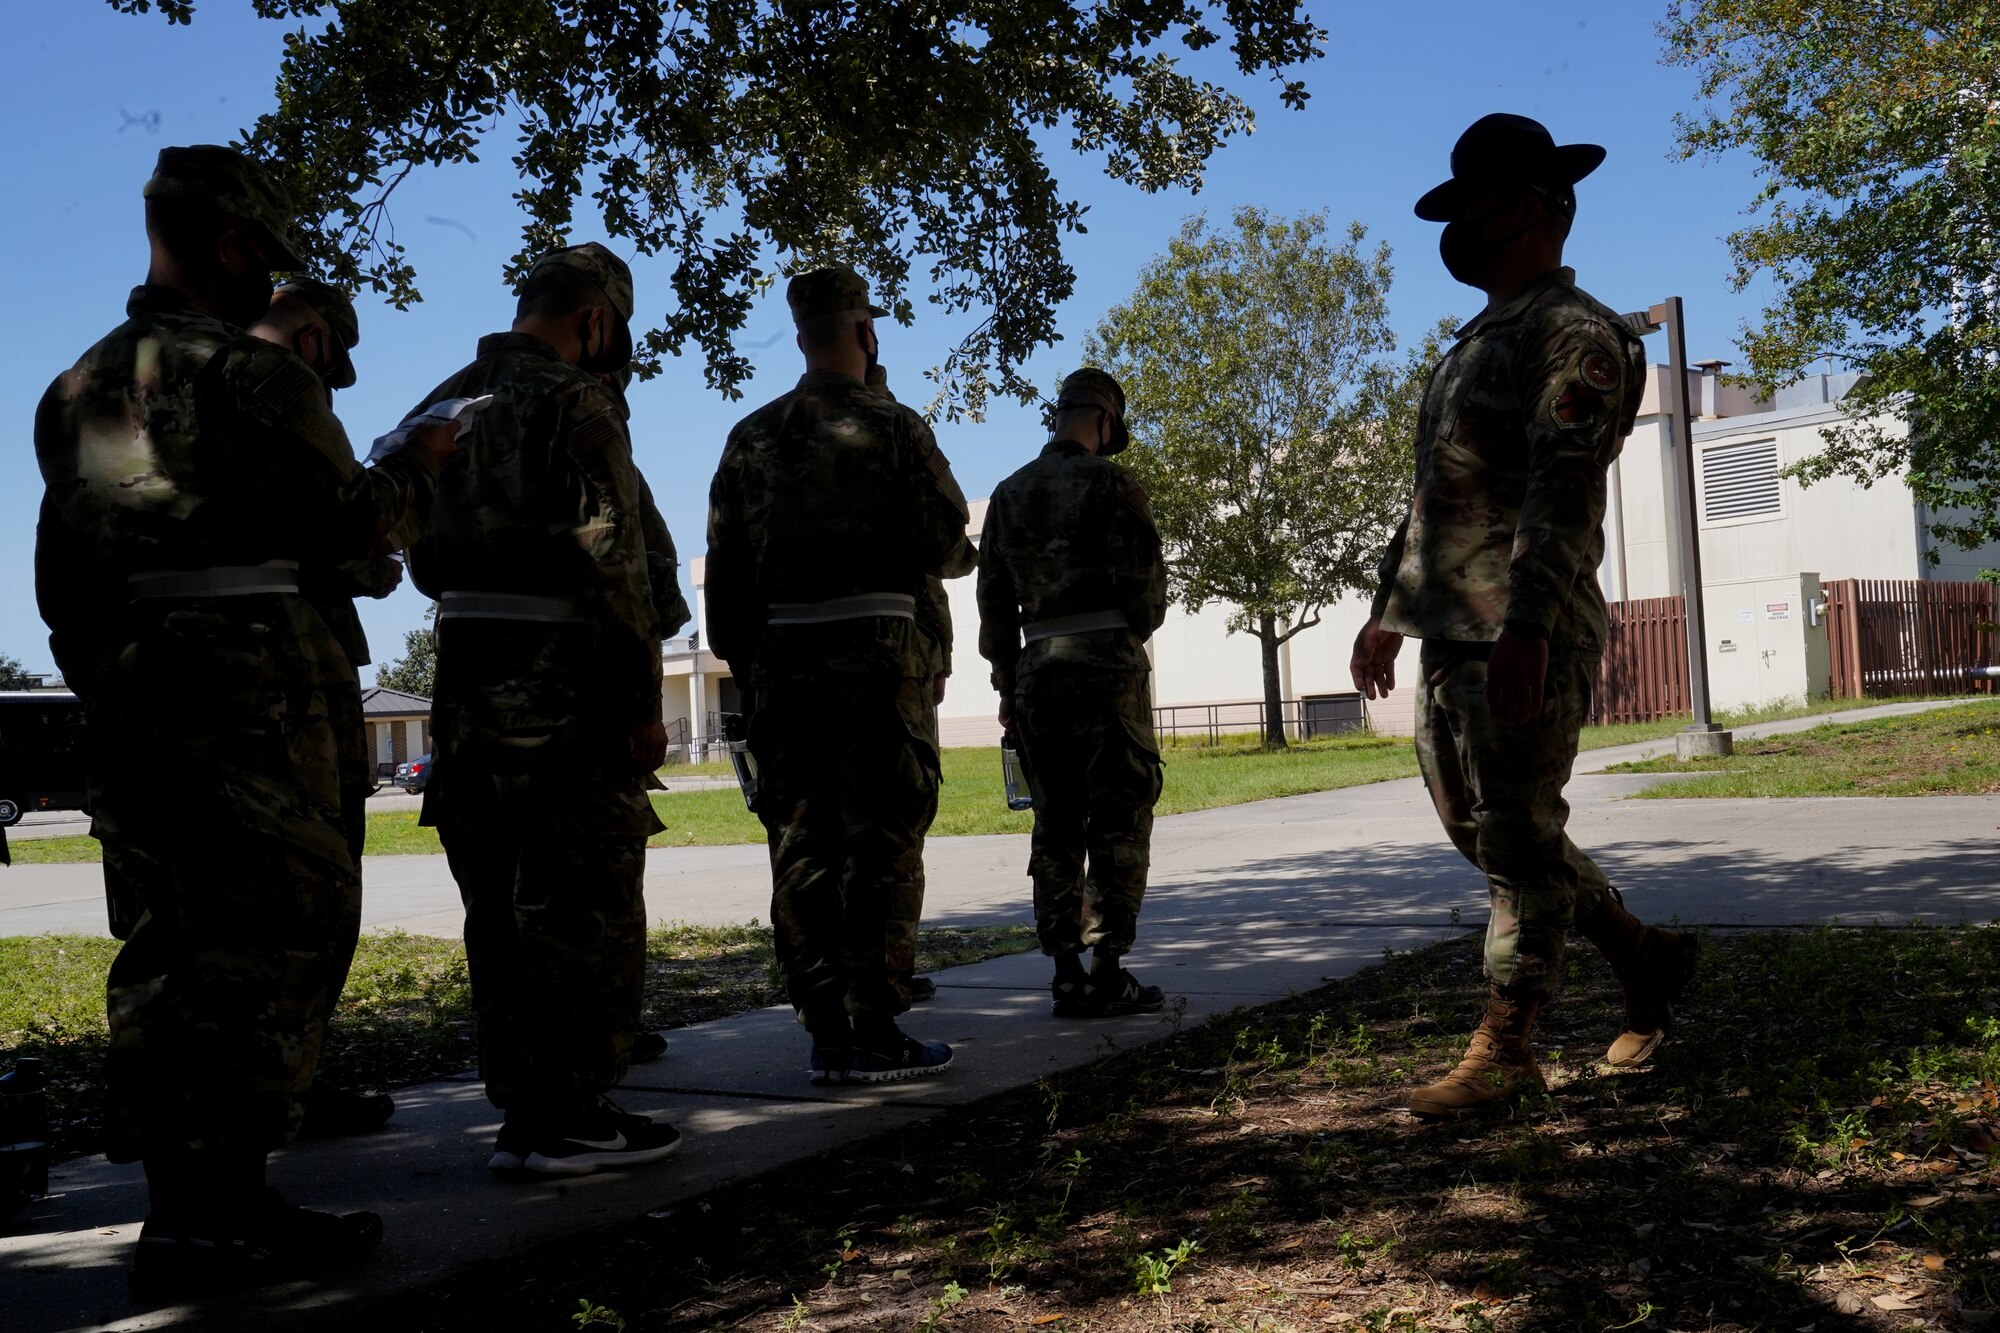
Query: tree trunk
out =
(1274, 702)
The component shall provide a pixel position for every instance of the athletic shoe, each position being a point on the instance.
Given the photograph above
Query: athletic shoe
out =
(829, 1064)
(1069, 999)
(1121, 994)
(648, 1047)
(919, 990)
(332, 1113)
(272, 1243)
(601, 1138)
(511, 1146)
(904, 1057)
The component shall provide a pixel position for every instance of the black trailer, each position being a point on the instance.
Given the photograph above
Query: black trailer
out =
(41, 753)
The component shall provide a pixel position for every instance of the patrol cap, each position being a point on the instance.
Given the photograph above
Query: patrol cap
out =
(829, 291)
(330, 304)
(235, 185)
(605, 269)
(1091, 387)
(1505, 150)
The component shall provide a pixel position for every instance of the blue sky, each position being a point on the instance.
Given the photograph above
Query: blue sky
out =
(91, 96)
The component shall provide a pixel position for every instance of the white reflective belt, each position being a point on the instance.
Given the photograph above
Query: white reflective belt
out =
(218, 581)
(1085, 622)
(861, 606)
(508, 606)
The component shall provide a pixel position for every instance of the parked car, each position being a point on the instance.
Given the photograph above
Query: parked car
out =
(41, 753)
(412, 776)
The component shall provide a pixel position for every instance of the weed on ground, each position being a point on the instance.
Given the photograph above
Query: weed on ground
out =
(1810, 1151)
(406, 1015)
(1950, 751)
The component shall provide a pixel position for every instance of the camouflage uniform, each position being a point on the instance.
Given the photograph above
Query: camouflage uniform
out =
(831, 507)
(182, 457)
(1072, 535)
(548, 664)
(1519, 425)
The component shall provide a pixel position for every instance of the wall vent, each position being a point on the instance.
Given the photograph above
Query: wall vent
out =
(1740, 481)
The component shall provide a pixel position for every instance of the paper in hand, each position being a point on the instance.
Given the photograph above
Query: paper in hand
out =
(459, 411)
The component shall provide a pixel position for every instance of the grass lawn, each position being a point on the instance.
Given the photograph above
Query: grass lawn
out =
(406, 1015)
(1951, 751)
(971, 800)
(1832, 1172)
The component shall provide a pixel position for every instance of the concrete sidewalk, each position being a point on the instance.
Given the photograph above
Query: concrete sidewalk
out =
(1249, 903)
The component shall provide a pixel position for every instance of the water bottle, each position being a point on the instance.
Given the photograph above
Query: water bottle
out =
(736, 739)
(1015, 776)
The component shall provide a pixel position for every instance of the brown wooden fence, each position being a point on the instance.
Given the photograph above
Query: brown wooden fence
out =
(1644, 676)
(1903, 636)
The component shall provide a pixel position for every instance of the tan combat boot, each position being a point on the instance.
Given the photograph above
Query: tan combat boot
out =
(1653, 967)
(1498, 1068)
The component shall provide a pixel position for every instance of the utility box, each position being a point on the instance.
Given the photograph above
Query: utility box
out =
(1333, 714)
(1767, 640)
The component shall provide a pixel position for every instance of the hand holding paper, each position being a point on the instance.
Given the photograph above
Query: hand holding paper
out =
(438, 428)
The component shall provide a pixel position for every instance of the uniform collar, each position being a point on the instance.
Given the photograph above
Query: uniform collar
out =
(518, 342)
(826, 379)
(152, 299)
(1063, 449)
(1514, 309)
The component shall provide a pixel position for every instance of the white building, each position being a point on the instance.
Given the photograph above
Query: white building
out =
(1766, 543)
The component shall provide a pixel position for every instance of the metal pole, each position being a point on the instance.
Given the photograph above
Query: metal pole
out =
(1703, 736)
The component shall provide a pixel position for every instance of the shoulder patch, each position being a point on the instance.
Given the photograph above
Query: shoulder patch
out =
(1599, 371)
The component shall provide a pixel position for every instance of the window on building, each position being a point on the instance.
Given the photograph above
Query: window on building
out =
(1740, 481)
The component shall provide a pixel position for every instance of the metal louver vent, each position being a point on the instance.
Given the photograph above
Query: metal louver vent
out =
(1739, 480)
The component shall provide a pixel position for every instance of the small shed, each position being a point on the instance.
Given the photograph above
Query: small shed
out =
(399, 726)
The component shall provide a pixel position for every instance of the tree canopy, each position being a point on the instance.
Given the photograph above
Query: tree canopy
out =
(13, 676)
(415, 672)
(906, 138)
(1272, 423)
(1876, 128)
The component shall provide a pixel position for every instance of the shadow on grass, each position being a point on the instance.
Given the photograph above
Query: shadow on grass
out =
(1811, 1151)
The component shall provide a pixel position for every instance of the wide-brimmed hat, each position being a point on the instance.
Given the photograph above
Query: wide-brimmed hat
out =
(1505, 150)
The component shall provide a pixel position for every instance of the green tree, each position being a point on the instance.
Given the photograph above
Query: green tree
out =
(416, 671)
(1876, 129)
(1271, 422)
(13, 676)
(740, 135)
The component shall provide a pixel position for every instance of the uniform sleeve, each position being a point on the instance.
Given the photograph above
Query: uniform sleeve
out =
(736, 606)
(999, 602)
(1574, 389)
(1138, 566)
(942, 514)
(1386, 570)
(610, 531)
(80, 602)
(336, 510)
(934, 621)
(663, 567)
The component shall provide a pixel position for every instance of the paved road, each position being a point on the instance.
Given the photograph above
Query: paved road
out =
(1249, 903)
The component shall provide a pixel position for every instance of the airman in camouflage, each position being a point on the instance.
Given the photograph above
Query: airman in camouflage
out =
(191, 472)
(1071, 585)
(316, 322)
(830, 508)
(547, 725)
(1494, 568)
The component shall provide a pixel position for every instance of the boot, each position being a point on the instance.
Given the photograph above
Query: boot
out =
(1499, 1065)
(1653, 967)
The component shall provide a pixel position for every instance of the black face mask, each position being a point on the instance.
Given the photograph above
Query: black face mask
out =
(874, 354)
(1468, 252)
(613, 354)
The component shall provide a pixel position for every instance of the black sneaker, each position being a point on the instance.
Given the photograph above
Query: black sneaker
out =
(829, 1063)
(648, 1047)
(896, 1056)
(333, 1113)
(511, 1146)
(274, 1243)
(1121, 994)
(919, 990)
(1069, 999)
(601, 1138)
